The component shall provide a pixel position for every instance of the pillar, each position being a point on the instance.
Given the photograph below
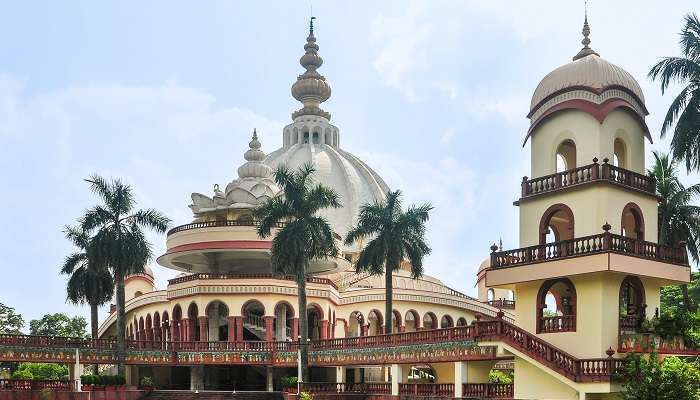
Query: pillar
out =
(231, 329)
(396, 378)
(75, 371)
(270, 378)
(324, 329)
(402, 328)
(203, 329)
(460, 377)
(340, 374)
(295, 329)
(239, 329)
(173, 332)
(185, 330)
(197, 377)
(363, 330)
(155, 334)
(269, 328)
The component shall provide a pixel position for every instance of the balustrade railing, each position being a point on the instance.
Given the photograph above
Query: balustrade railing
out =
(502, 303)
(427, 389)
(559, 323)
(35, 384)
(587, 174)
(205, 276)
(587, 245)
(216, 224)
(340, 387)
(631, 322)
(488, 390)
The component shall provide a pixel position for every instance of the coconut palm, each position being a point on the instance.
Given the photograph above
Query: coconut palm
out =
(685, 108)
(118, 241)
(396, 236)
(305, 235)
(679, 219)
(89, 283)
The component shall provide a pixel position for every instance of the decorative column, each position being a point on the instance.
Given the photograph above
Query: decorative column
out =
(460, 378)
(324, 329)
(402, 328)
(174, 337)
(203, 329)
(295, 329)
(363, 330)
(231, 328)
(184, 330)
(396, 378)
(239, 329)
(269, 328)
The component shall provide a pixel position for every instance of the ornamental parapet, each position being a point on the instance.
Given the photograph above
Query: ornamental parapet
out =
(588, 174)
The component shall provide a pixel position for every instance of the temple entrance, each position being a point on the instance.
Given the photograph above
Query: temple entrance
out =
(235, 377)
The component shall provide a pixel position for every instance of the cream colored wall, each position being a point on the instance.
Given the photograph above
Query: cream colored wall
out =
(137, 284)
(499, 293)
(531, 382)
(597, 312)
(593, 206)
(592, 139)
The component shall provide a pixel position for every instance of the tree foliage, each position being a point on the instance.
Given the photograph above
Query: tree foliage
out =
(58, 325)
(40, 371)
(684, 111)
(10, 321)
(305, 235)
(648, 378)
(394, 236)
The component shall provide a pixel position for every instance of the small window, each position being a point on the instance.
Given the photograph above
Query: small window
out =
(620, 154)
(138, 293)
(566, 156)
(316, 138)
(306, 137)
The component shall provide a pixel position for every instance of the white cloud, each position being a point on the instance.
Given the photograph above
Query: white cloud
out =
(448, 88)
(403, 40)
(447, 136)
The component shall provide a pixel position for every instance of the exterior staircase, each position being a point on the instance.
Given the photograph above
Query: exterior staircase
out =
(255, 324)
(211, 395)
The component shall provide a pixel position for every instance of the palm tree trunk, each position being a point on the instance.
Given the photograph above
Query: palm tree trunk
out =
(686, 298)
(121, 322)
(93, 328)
(303, 324)
(389, 309)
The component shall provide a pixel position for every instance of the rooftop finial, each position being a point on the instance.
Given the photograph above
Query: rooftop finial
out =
(311, 25)
(311, 88)
(586, 31)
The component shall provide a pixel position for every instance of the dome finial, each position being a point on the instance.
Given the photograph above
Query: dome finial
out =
(586, 31)
(311, 88)
(311, 25)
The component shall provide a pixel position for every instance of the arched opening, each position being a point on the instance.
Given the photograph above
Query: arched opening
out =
(556, 309)
(557, 224)
(284, 316)
(396, 323)
(176, 325)
(446, 322)
(411, 321)
(138, 293)
(375, 323)
(461, 321)
(141, 332)
(306, 137)
(632, 304)
(511, 295)
(165, 326)
(355, 324)
(315, 138)
(327, 138)
(620, 154)
(421, 374)
(314, 315)
(632, 224)
(429, 321)
(217, 317)
(193, 332)
(566, 156)
(149, 327)
(253, 322)
(490, 295)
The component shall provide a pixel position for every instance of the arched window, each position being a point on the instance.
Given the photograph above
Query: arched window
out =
(461, 321)
(632, 304)
(566, 156)
(284, 315)
(411, 321)
(306, 137)
(138, 293)
(620, 154)
(315, 138)
(632, 224)
(446, 322)
(254, 327)
(375, 323)
(490, 295)
(430, 321)
(217, 317)
(314, 315)
(355, 323)
(556, 306)
(557, 224)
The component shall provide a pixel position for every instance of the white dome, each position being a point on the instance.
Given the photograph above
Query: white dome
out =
(589, 72)
(352, 179)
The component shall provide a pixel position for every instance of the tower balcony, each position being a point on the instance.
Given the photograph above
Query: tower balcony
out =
(594, 253)
(594, 173)
(229, 246)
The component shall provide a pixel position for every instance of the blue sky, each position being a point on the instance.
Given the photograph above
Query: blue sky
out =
(431, 94)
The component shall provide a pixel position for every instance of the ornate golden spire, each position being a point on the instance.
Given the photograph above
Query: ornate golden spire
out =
(311, 88)
(586, 31)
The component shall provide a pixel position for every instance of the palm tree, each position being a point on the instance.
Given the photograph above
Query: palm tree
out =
(305, 235)
(119, 242)
(685, 108)
(679, 219)
(89, 283)
(397, 236)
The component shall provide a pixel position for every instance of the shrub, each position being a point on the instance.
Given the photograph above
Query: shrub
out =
(305, 396)
(147, 381)
(22, 374)
(651, 379)
(289, 382)
(119, 380)
(496, 376)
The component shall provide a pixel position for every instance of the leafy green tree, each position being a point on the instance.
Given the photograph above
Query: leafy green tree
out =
(58, 325)
(10, 322)
(678, 218)
(40, 371)
(118, 240)
(648, 378)
(684, 111)
(395, 236)
(89, 283)
(305, 235)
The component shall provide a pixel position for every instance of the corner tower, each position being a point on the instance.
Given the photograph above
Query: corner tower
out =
(589, 267)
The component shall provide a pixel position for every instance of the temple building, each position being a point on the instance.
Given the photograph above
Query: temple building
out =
(559, 312)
